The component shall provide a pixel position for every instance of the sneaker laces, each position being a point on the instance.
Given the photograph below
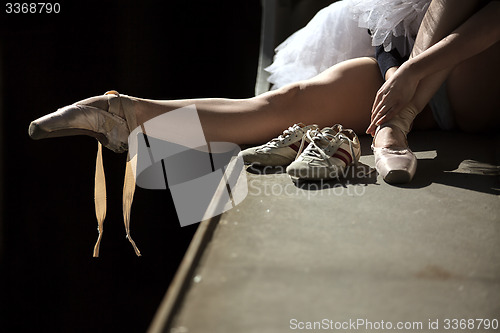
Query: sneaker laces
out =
(315, 151)
(128, 188)
(292, 130)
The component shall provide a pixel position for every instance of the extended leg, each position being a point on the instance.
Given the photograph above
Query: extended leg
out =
(342, 94)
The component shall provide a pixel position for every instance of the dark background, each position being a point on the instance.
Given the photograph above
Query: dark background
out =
(151, 49)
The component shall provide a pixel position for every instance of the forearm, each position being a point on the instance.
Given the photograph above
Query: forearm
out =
(477, 34)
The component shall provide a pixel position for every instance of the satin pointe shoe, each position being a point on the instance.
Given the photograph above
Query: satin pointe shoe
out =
(102, 118)
(106, 119)
(396, 165)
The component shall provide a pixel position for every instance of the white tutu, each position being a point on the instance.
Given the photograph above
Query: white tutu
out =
(387, 19)
(340, 32)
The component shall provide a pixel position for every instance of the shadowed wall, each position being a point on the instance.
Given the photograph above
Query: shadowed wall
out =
(151, 49)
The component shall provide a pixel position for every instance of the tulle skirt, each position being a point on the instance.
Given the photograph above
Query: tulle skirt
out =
(344, 30)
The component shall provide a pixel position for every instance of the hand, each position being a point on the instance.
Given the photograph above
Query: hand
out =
(393, 96)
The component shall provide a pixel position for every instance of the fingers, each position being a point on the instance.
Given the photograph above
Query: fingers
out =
(379, 109)
(377, 104)
(391, 98)
(383, 118)
(382, 112)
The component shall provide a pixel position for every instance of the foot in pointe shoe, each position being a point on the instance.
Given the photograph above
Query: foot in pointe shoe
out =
(102, 117)
(394, 160)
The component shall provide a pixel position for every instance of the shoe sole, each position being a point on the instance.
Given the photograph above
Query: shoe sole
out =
(267, 160)
(315, 174)
(37, 133)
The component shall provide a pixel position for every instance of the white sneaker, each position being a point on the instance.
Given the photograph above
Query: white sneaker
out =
(328, 154)
(279, 151)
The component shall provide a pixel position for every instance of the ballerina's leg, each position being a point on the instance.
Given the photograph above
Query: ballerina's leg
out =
(342, 94)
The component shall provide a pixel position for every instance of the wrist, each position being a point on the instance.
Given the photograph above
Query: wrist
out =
(412, 69)
(390, 72)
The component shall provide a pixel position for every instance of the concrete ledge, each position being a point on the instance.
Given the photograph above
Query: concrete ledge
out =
(350, 250)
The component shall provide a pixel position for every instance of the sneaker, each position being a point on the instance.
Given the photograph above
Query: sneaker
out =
(328, 154)
(279, 151)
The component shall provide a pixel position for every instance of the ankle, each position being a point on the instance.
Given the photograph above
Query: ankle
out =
(128, 109)
(390, 137)
(136, 107)
(404, 119)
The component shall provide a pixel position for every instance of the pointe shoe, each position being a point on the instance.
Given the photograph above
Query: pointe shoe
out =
(396, 165)
(102, 117)
(106, 119)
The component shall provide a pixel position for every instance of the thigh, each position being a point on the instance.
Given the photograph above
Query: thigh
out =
(473, 88)
(342, 94)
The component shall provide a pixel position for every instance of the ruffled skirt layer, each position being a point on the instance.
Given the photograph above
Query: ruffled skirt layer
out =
(345, 30)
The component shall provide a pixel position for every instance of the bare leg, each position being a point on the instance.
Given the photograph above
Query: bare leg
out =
(342, 94)
(473, 88)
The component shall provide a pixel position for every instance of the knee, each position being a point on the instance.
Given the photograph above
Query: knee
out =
(369, 60)
(292, 90)
(286, 94)
(280, 100)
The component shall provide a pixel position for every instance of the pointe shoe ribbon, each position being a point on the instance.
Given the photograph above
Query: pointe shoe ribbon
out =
(397, 165)
(99, 197)
(128, 185)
